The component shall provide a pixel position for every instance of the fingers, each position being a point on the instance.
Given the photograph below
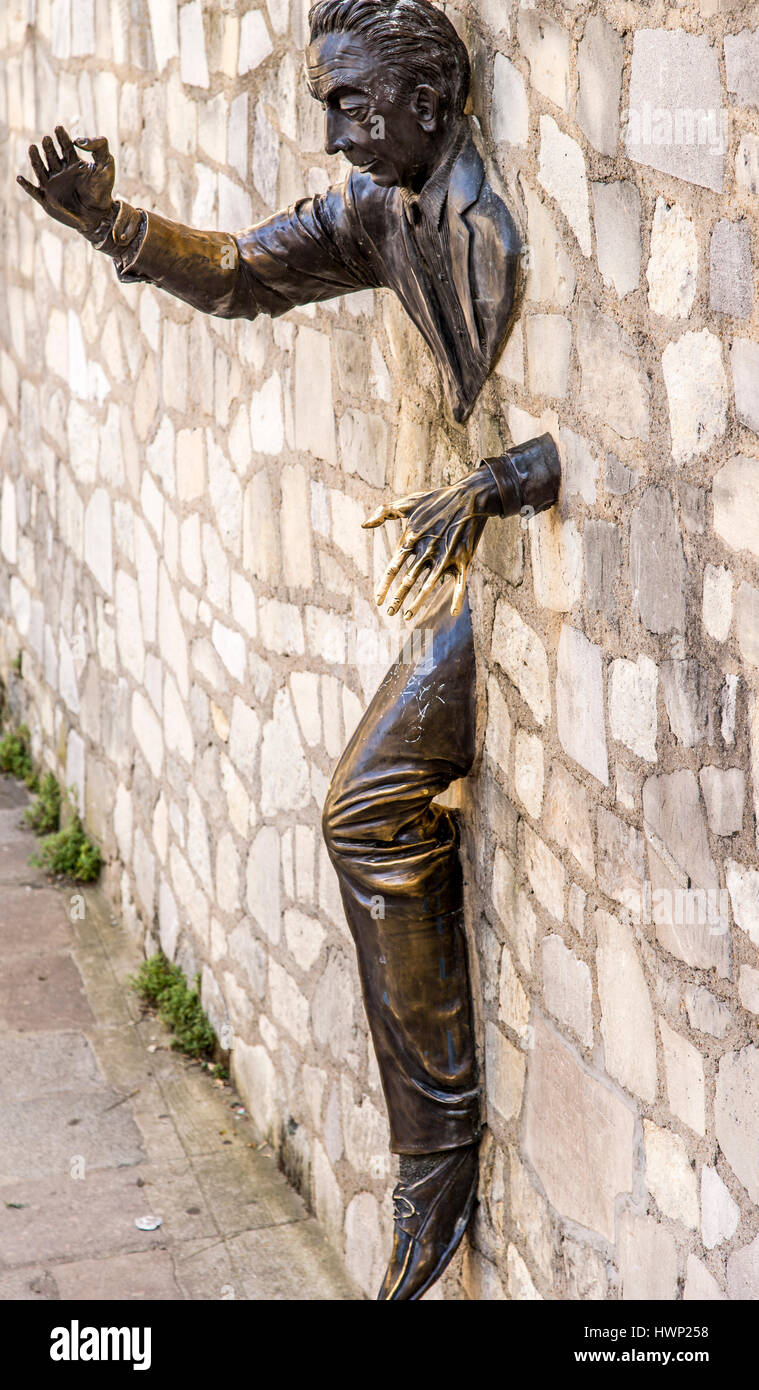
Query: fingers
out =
(408, 583)
(98, 148)
(425, 591)
(54, 161)
(396, 565)
(379, 517)
(401, 507)
(459, 592)
(38, 164)
(70, 155)
(36, 193)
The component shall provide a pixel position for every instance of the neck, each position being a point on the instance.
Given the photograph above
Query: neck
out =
(444, 143)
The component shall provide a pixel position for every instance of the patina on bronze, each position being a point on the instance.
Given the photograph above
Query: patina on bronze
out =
(416, 215)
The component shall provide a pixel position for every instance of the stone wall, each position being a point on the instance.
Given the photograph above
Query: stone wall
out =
(185, 577)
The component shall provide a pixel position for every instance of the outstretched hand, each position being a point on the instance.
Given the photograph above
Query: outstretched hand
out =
(71, 189)
(443, 529)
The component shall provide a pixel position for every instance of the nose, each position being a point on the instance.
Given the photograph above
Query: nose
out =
(336, 139)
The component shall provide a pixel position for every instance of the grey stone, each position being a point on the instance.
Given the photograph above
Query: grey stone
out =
(736, 1115)
(619, 478)
(657, 563)
(600, 57)
(616, 213)
(700, 1285)
(38, 1137)
(675, 105)
(731, 272)
(603, 557)
(719, 1213)
(735, 495)
(693, 507)
(34, 1066)
(545, 44)
(697, 393)
(743, 887)
(744, 362)
(563, 175)
(724, 792)
(584, 1156)
(568, 989)
(742, 66)
(685, 685)
(614, 386)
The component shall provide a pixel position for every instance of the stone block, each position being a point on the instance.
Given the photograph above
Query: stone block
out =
(744, 364)
(706, 1013)
(742, 66)
(672, 269)
(600, 58)
(627, 1018)
(568, 989)
(580, 702)
(549, 343)
(748, 988)
(669, 1175)
(743, 1272)
(647, 1259)
(694, 376)
(621, 858)
(735, 494)
(528, 772)
(314, 413)
(747, 623)
(285, 783)
(562, 174)
(557, 561)
(616, 213)
(674, 115)
(192, 45)
(578, 1135)
(700, 1285)
(731, 271)
(550, 275)
(614, 386)
(736, 1115)
(747, 165)
(657, 563)
(684, 1070)
(724, 791)
(510, 111)
(255, 43)
(719, 1213)
(685, 686)
(546, 874)
(513, 1004)
(504, 1074)
(521, 654)
(683, 874)
(743, 887)
(632, 705)
(567, 817)
(545, 45)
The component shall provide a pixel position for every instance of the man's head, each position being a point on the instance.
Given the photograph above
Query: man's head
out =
(394, 77)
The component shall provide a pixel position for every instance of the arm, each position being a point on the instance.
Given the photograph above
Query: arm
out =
(298, 256)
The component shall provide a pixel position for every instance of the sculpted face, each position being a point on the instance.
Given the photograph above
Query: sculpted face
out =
(394, 141)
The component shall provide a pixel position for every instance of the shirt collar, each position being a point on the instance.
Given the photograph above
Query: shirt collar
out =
(431, 199)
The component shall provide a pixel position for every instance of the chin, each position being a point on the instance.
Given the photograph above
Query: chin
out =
(385, 178)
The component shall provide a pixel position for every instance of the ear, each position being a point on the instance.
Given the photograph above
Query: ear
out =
(425, 105)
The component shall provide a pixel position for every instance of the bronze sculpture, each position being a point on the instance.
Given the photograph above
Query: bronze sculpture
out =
(416, 214)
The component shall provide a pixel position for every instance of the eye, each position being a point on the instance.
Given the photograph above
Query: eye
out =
(355, 109)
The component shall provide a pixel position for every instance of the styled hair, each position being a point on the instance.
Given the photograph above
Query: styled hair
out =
(414, 43)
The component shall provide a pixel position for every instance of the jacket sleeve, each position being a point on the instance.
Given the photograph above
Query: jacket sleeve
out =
(311, 251)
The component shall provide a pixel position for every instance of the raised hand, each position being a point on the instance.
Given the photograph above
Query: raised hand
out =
(442, 533)
(71, 189)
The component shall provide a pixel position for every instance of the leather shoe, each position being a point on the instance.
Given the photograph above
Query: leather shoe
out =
(430, 1217)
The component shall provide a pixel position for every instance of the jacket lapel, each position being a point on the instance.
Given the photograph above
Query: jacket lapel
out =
(466, 182)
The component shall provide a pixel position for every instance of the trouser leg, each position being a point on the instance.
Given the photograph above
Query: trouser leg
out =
(396, 856)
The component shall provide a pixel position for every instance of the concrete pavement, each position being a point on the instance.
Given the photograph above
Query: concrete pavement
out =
(97, 1131)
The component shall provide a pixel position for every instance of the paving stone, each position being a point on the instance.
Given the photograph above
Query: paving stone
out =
(40, 1136)
(138, 1276)
(32, 921)
(584, 1158)
(39, 993)
(45, 1064)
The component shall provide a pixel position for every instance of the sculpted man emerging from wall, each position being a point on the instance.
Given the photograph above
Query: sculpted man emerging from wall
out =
(416, 215)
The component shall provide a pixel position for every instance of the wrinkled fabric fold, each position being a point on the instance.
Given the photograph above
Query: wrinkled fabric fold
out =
(396, 856)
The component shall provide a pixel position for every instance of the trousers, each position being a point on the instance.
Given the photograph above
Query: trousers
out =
(396, 854)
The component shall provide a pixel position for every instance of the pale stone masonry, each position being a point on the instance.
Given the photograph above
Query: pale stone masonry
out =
(184, 574)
